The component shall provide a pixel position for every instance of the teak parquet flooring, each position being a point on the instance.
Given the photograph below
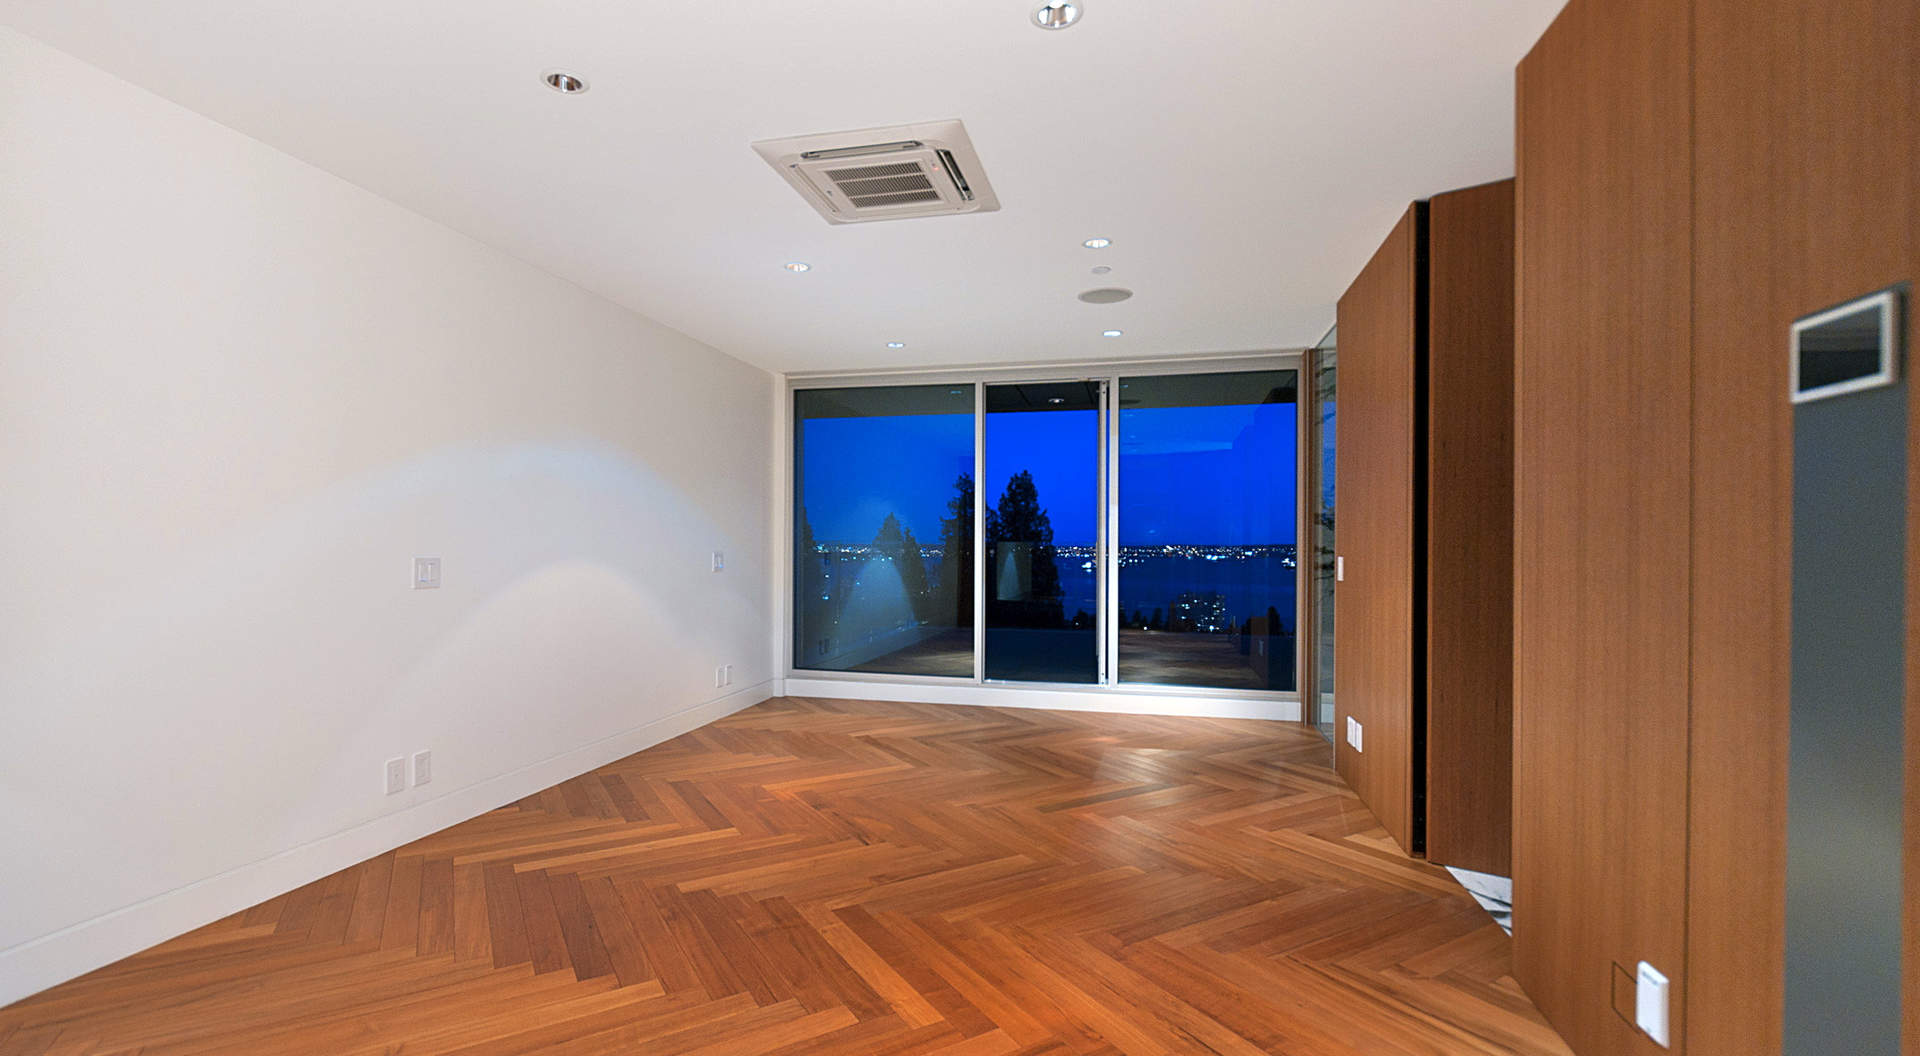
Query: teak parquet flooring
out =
(809, 877)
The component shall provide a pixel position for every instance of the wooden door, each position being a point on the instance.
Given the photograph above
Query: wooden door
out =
(1373, 667)
(1602, 518)
(1807, 182)
(1469, 477)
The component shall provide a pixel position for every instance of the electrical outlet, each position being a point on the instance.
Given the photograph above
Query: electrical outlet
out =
(1354, 731)
(727, 669)
(426, 573)
(719, 676)
(422, 768)
(719, 560)
(396, 776)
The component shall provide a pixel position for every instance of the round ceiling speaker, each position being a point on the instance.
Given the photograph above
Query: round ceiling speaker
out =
(1106, 295)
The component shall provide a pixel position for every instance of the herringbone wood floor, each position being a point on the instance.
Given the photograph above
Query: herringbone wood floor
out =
(810, 877)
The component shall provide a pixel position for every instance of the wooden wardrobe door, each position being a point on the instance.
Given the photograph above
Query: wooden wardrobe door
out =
(1807, 193)
(1373, 610)
(1469, 470)
(1602, 516)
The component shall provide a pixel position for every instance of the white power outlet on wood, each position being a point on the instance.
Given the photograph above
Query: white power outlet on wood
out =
(1354, 731)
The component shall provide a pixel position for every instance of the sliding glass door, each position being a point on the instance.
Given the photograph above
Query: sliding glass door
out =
(883, 530)
(1208, 519)
(1135, 531)
(1042, 531)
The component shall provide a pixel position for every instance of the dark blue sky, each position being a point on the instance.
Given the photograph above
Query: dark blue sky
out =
(1221, 475)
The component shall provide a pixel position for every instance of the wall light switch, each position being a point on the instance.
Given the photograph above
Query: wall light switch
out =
(396, 776)
(426, 573)
(1353, 734)
(719, 560)
(1650, 1011)
(1339, 569)
(422, 767)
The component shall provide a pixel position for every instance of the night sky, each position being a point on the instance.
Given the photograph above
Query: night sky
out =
(1197, 475)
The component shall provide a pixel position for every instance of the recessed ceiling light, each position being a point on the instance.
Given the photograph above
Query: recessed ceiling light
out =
(1056, 16)
(565, 83)
(1056, 399)
(896, 344)
(1097, 243)
(1101, 270)
(1111, 333)
(798, 266)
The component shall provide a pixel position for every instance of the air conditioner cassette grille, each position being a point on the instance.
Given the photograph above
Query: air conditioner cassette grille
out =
(916, 170)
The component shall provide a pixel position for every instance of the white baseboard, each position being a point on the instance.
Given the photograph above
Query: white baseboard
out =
(72, 951)
(1092, 698)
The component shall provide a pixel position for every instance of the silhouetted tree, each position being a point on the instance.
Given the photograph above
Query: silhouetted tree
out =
(1020, 520)
(1158, 622)
(953, 593)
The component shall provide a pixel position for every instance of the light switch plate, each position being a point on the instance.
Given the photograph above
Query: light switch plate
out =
(396, 776)
(426, 573)
(719, 560)
(422, 767)
(1339, 569)
(1650, 1010)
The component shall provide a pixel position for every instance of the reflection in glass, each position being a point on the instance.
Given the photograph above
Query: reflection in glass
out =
(1207, 520)
(1325, 378)
(1042, 554)
(883, 530)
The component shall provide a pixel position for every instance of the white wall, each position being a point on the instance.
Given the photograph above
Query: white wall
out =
(237, 396)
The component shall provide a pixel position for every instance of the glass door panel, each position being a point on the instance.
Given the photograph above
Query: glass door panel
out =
(1325, 388)
(1208, 530)
(883, 530)
(1042, 495)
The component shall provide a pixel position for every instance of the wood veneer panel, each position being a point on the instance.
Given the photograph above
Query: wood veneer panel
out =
(1373, 611)
(1602, 521)
(1805, 195)
(1470, 528)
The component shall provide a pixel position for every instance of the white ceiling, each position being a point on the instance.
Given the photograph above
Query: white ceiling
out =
(1245, 156)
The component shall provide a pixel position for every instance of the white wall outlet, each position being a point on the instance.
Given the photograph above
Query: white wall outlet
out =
(1354, 730)
(396, 775)
(1650, 1011)
(719, 560)
(1339, 569)
(426, 573)
(422, 768)
(726, 674)
(719, 676)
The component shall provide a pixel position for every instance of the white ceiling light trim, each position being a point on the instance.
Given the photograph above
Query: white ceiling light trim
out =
(1056, 16)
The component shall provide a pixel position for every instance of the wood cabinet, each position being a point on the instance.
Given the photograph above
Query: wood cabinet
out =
(1692, 178)
(1423, 654)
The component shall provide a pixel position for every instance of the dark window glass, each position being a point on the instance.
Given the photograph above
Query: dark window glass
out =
(883, 530)
(1043, 514)
(1208, 523)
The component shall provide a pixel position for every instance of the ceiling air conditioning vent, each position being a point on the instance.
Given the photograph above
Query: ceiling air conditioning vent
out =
(884, 173)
